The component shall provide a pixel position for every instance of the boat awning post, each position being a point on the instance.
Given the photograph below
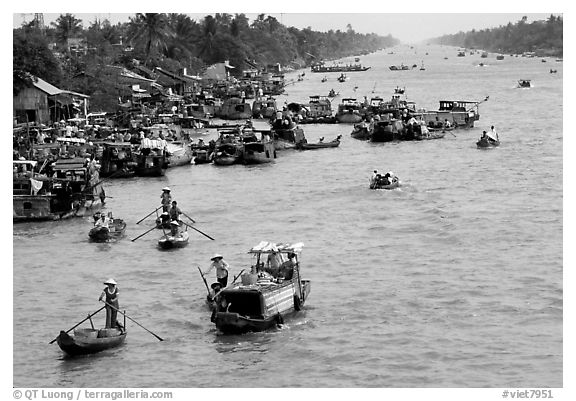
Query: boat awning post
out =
(91, 323)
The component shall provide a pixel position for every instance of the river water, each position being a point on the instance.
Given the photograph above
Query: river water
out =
(453, 280)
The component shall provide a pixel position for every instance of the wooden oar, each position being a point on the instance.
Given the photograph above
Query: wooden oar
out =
(191, 219)
(203, 278)
(148, 215)
(118, 310)
(89, 316)
(141, 235)
(195, 229)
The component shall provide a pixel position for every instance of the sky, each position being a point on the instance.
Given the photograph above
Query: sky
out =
(401, 23)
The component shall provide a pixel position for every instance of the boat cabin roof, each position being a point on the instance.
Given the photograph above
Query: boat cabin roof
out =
(27, 162)
(269, 247)
(71, 140)
(455, 105)
(76, 164)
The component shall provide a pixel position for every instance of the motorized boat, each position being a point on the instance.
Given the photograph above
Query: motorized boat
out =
(266, 295)
(69, 192)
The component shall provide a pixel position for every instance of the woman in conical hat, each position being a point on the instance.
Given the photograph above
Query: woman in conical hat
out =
(110, 294)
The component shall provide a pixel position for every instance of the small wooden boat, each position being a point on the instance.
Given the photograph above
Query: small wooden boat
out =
(342, 78)
(487, 142)
(320, 144)
(429, 135)
(179, 241)
(361, 131)
(383, 183)
(202, 157)
(90, 341)
(524, 83)
(227, 154)
(265, 296)
(115, 230)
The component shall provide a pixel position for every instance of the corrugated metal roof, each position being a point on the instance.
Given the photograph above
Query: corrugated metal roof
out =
(47, 88)
(51, 90)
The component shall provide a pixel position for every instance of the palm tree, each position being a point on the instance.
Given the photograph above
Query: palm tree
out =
(67, 26)
(152, 30)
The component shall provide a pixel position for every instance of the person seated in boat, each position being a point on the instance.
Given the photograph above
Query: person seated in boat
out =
(274, 262)
(110, 296)
(96, 217)
(174, 212)
(221, 267)
(388, 178)
(163, 220)
(321, 139)
(484, 136)
(103, 222)
(447, 123)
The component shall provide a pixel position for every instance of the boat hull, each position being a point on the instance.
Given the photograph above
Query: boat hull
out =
(281, 302)
(103, 234)
(393, 185)
(362, 133)
(88, 341)
(349, 118)
(169, 242)
(258, 152)
(313, 146)
(486, 144)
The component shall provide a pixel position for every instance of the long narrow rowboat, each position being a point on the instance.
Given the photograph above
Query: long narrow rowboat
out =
(90, 341)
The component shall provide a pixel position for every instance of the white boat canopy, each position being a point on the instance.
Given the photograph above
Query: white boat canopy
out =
(269, 247)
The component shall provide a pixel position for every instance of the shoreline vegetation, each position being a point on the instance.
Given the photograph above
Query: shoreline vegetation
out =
(543, 38)
(66, 49)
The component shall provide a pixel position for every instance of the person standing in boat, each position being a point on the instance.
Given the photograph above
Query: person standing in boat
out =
(110, 296)
(166, 199)
(174, 212)
(221, 267)
(274, 262)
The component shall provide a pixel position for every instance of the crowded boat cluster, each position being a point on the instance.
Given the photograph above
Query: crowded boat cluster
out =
(59, 170)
